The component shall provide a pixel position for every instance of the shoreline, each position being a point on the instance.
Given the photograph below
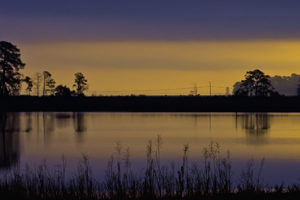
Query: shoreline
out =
(150, 104)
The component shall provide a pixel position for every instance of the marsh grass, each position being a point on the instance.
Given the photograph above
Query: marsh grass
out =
(208, 178)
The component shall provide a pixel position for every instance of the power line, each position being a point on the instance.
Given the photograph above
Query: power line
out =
(94, 92)
(165, 89)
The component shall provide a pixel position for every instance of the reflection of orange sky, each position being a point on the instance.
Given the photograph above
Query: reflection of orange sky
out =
(158, 65)
(134, 130)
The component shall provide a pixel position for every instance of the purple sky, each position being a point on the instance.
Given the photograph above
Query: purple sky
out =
(94, 20)
(136, 44)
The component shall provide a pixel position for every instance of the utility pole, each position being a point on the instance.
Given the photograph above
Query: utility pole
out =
(194, 92)
(196, 89)
(209, 88)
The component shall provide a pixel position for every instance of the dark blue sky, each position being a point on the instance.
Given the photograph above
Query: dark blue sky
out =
(80, 20)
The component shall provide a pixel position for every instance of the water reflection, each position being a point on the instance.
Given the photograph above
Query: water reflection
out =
(63, 120)
(9, 139)
(79, 122)
(255, 123)
(51, 135)
(28, 122)
(256, 126)
(29, 138)
(46, 123)
(48, 126)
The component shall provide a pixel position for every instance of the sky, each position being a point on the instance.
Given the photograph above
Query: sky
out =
(154, 47)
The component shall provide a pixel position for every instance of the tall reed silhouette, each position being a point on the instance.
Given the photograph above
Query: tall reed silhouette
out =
(208, 178)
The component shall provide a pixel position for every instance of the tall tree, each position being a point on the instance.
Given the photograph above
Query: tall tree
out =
(29, 83)
(49, 83)
(256, 83)
(37, 82)
(10, 63)
(80, 84)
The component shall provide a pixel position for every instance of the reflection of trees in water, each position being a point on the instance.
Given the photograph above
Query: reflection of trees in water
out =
(63, 119)
(52, 121)
(48, 121)
(9, 139)
(48, 125)
(28, 122)
(256, 125)
(79, 124)
(10, 127)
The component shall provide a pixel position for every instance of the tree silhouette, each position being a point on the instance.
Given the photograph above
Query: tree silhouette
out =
(298, 88)
(80, 84)
(37, 82)
(49, 83)
(256, 83)
(10, 63)
(29, 83)
(62, 90)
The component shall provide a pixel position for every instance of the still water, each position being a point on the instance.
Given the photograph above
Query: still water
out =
(30, 138)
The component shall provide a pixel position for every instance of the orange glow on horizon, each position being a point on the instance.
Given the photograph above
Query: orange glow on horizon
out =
(153, 65)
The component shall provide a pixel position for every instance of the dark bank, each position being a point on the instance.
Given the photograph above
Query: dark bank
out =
(152, 104)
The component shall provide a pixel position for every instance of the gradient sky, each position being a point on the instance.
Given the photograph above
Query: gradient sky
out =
(143, 45)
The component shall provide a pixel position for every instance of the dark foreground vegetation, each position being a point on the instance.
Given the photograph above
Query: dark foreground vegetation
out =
(152, 104)
(208, 178)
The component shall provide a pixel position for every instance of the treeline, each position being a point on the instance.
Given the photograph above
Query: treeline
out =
(11, 78)
(45, 85)
(256, 83)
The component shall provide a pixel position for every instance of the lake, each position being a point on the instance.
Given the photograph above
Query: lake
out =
(36, 137)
